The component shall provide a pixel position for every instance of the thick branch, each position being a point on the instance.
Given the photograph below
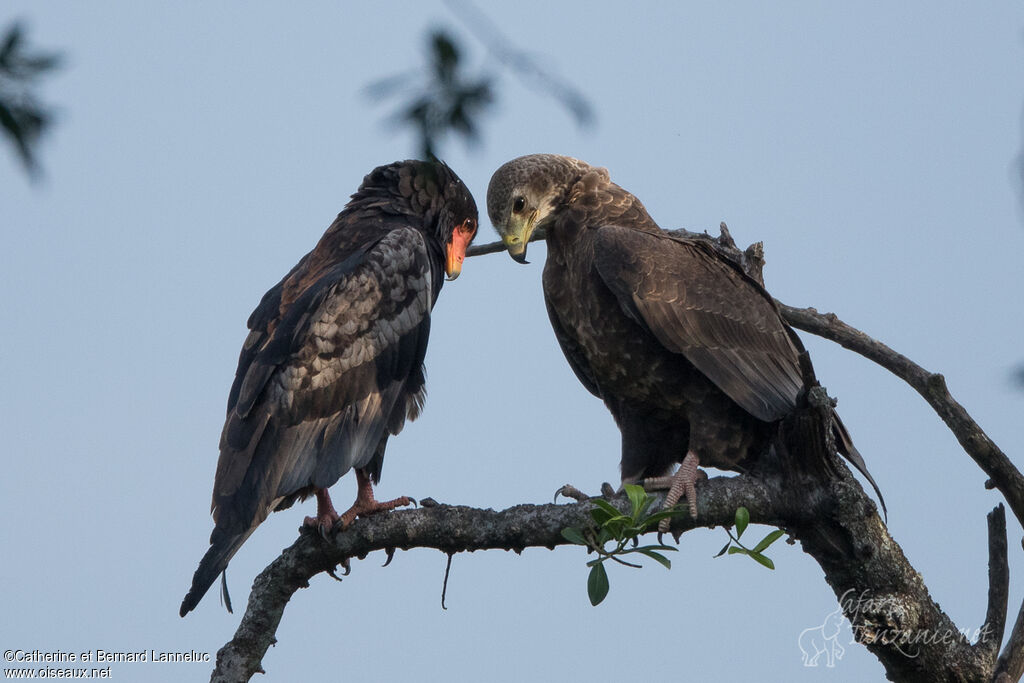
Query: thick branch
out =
(899, 604)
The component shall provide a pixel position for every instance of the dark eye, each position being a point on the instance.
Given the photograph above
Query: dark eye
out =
(518, 205)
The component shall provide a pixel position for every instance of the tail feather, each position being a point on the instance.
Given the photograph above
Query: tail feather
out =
(844, 444)
(214, 563)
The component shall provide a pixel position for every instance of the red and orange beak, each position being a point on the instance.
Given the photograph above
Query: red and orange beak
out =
(456, 250)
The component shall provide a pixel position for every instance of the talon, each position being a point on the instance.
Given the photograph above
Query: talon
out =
(429, 503)
(570, 491)
(391, 555)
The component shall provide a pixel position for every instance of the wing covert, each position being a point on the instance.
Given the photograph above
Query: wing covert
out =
(702, 307)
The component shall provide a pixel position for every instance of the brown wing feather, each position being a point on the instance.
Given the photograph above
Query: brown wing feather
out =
(320, 384)
(700, 306)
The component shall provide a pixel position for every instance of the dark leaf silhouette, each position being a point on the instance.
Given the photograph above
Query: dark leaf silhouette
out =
(23, 118)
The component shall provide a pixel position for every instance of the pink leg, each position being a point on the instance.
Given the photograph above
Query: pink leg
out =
(366, 504)
(326, 515)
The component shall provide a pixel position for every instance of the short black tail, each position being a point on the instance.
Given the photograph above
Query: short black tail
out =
(214, 562)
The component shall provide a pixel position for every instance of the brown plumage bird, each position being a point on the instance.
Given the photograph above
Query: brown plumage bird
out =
(689, 354)
(333, 363)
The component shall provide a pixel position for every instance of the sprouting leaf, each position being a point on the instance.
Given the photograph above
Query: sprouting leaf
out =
(768, 540)
(637, 498)
(724, 548)
(742, 520)
(574, 535)
(597, 584)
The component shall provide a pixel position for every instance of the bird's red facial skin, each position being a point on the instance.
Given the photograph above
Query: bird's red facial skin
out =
(461, 237)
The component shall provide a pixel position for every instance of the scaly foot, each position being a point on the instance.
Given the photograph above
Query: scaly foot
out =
(366, 504)
(678, 484)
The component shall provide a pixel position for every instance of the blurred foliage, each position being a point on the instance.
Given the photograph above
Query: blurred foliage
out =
(445, 100)
(442, 98)
(22, 118)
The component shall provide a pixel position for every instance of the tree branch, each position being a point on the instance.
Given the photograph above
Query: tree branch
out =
(932, 386)
(883, 596)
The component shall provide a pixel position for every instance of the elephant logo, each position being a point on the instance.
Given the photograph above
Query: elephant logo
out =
(823, 640)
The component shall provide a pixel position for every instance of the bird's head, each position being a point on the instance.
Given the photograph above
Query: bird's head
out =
(431, 193)
(457, 222)
(523, 195)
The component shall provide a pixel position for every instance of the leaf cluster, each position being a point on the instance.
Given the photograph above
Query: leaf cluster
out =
(447, 101)
(734, 547)
(612, 531)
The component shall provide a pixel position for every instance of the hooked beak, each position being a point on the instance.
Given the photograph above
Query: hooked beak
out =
(456, 249)
(518, 236)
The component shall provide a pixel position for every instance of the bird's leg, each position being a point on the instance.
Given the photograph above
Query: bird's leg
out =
(366, 504)
(326, 515)
(679, 483)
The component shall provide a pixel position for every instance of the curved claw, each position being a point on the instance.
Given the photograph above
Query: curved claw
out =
(391, 555)
(413, 501)
(570, 491)
(348, 570)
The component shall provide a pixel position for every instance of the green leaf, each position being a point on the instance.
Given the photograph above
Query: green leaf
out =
(762, 559)
(665, 562)
(736, 550)
(637, 498)
(742, 520)
(665, 514)
(724, 548)
(574, 535)
(599, 516)
(597, 584)
(607, 507)
(768, 540)
(654, 547)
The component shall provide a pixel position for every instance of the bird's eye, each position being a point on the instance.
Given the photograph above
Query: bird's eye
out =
(518, 205)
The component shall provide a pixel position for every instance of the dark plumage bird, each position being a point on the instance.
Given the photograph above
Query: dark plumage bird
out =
(333, 364)
(690, 355)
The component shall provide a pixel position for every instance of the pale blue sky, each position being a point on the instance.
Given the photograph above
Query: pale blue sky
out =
(202, 148)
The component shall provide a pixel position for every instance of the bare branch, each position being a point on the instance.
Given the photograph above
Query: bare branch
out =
(932, 386)
(998, 582)
(883, 596)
